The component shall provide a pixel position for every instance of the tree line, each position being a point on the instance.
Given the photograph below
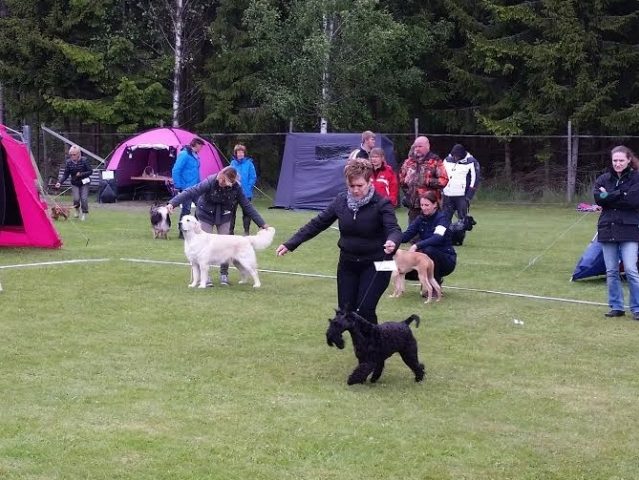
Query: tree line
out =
(496, 67)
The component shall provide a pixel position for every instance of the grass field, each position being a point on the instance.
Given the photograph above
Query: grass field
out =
(115, 369)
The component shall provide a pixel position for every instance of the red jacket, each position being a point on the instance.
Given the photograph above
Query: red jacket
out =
(385, 183)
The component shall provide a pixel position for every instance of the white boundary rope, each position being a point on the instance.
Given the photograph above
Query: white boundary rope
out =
(552, 244)
(317, 275)
(59, 262)
(308, 275)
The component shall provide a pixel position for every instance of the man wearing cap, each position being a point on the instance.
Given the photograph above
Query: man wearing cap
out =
(463, 178)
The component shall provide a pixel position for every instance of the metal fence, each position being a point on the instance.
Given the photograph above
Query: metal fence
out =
(525, 163)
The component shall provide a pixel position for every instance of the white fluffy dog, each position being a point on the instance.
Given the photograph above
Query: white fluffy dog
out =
(203, 249)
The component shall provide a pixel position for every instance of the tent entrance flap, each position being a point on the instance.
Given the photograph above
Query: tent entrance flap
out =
(9, 208)
(24, 221)
(154, 160)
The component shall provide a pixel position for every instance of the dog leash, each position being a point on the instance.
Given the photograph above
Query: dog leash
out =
(53, 199)
(386, 257)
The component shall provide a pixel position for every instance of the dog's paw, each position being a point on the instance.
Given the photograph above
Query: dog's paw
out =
(257, 285)
(242, 281)
(192, 285)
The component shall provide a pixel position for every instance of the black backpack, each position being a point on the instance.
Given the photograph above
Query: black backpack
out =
(107, 193)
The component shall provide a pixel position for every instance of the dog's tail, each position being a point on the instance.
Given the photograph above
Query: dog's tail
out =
(412, 318)
(263, 239)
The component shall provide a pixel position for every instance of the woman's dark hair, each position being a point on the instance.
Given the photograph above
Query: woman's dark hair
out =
(229, 173)
(196, 141)
(431, 197)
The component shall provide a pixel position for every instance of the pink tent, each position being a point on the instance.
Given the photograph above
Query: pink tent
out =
(156, 150)
(23, 214)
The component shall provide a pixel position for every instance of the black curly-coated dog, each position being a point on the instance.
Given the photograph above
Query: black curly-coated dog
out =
(373, 344)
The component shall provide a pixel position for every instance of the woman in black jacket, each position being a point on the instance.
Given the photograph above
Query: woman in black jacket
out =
(77, 167)
(217, 198)
(617, 192)
(368, 233)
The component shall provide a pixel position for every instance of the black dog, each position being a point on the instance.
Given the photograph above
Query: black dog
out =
(458, 229)
(373, 344)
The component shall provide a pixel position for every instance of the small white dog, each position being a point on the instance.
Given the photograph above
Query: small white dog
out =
(203, 249)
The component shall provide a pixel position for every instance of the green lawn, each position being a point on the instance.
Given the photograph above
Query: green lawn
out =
(116, 369)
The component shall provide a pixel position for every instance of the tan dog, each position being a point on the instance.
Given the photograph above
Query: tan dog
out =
(58, 211)
(423, 264)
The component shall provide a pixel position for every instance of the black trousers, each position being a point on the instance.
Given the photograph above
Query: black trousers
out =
(359, 287)
(246, 221)
(456, 204)
(444, 263)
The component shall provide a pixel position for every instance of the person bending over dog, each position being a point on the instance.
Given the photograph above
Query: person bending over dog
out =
(368, 233)
(217, 198)
(434, 236)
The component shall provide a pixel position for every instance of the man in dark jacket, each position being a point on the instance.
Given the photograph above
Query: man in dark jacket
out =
(78, 168)
(364, 150)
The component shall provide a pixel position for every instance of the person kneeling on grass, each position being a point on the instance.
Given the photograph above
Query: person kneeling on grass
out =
(217, 198)
(432, 227)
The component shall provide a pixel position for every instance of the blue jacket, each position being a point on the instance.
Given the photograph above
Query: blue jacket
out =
(246, 171)
(433, 232)
(186, 170)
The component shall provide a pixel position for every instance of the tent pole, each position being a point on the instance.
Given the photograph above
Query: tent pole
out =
(69, 142)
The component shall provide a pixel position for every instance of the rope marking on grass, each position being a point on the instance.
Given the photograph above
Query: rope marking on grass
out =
(299, 274)
(532, 261)
(57, 262)
(525, 295)
(466, 289)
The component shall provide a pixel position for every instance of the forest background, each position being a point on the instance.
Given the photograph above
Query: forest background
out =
(505, 78)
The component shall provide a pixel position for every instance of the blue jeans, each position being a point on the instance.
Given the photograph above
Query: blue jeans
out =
(627, 252)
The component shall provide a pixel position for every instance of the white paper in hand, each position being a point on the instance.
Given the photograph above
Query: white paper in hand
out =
(386, 266)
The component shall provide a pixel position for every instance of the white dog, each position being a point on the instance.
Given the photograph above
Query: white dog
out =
(203, 249)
